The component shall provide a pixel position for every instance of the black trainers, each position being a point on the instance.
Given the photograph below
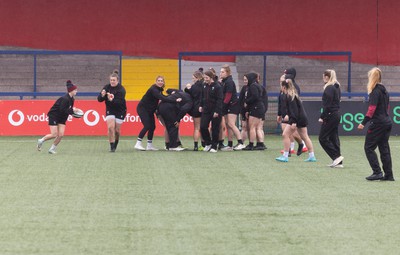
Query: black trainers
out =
(248, 148)
(387, 178)
(374, 177)
(300, 149)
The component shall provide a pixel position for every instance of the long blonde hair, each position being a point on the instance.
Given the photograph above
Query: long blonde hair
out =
(291, 90)
(331, 74)
(374, 77)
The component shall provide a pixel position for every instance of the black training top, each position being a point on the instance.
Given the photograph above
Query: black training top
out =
(330, 100)
(195, 92)
(151, 98)
(296, 111)
(118, 104)
(230, 93)
(378, 106)
(212, 98)
(62, 108)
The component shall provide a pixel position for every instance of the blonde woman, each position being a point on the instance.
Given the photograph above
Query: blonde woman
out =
(379, 130)
(230, 109)
(296, 120)
(330, 118)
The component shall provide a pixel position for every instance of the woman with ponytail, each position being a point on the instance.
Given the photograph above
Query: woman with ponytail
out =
(330, 118)
(379, 129)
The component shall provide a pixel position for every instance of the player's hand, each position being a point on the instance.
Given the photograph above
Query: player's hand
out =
(360, 127)
(110, 96)
(320, 120)
(179, 100)
(279, 119)
(103, 93)
(215, 115)
(200, 109)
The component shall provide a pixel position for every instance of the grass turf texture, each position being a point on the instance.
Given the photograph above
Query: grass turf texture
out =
(86, 200)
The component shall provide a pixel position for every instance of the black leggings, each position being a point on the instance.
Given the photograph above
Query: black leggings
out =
(378, 136)
(212, 139)
(329, 135)
(148, 121)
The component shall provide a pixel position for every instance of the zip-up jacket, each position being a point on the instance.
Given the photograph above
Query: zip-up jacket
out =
(378, 108)
(212, 98)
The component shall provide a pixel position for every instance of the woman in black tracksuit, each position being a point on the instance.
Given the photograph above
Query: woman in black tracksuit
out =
(113, 95)
(255, 107)
(195, 91)
(379, 130)
(58, 115)
(146, 109)
(172, 113)
(330, 118)
(211, 111)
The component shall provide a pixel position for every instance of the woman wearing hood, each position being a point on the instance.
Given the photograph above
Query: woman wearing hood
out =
(379, 130)
(255, 107)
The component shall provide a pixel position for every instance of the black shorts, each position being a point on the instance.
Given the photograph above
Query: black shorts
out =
(232, 109)
(195, 113)
(118, 114)
(54, 121)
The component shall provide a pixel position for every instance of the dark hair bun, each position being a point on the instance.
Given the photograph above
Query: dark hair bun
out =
(116, 71)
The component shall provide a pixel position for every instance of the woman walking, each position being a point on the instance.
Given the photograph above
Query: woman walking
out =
(330, 118)
(379, 129)
(296, 121)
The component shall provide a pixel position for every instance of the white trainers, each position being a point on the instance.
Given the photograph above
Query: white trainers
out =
(338, 166)
(139, 147)
(39, 144)
(177, 149)
(239, 147)
(226, 148)
(337, 161)
(213, 150)
(207, 148)
(150, 147)
(51, 151)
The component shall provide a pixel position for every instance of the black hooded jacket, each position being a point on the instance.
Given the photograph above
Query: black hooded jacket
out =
(212, 97)
(195, 91)
(254, 99)
(330, 100)
(378, 106)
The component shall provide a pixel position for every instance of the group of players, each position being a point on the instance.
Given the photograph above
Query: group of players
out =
(213, 103)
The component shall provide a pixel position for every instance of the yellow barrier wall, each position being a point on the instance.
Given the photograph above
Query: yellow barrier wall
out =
(139, 74)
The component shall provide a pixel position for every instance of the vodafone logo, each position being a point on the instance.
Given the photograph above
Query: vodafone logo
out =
(91, 118)
(16, 121)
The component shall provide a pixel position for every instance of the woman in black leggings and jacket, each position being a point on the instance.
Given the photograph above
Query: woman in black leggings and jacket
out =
(379, 129)
(146, 109)
(330, 118)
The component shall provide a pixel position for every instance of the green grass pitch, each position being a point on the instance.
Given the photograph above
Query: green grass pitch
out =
(86, 200)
